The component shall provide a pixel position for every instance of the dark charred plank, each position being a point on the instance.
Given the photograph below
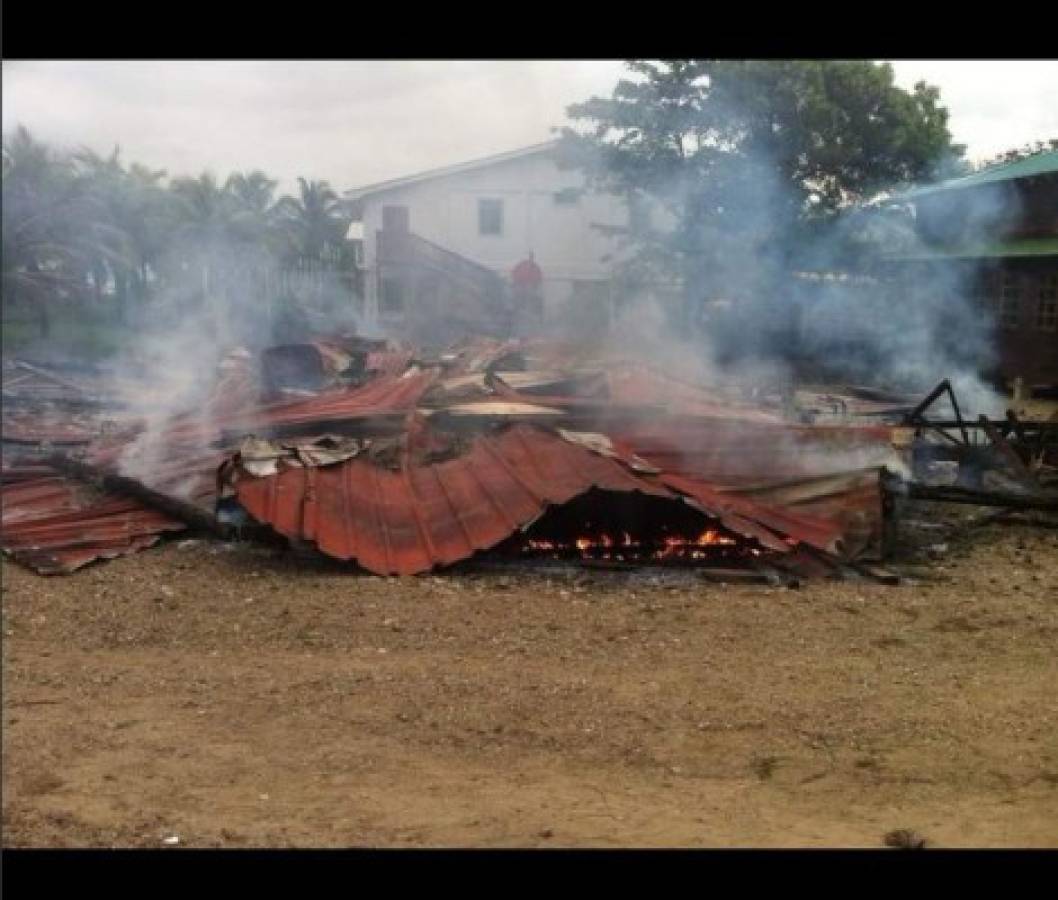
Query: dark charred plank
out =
(193, 515)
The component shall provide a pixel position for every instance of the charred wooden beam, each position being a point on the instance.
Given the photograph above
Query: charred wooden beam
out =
(953, 494)
(1015, 424)
(879, 573)
(915, 415)
(1028, 427)
(1007, 452)
(194, 516)
(958, 415)
(736, 576)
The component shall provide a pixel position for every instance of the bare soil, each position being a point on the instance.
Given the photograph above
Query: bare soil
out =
(234, 697)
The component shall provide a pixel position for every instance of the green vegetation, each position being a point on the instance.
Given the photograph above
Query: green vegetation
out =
(90, 243)
(77, 331)
(748, 161)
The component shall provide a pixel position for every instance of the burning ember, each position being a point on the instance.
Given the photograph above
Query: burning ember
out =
(709, 544)
(628, 528)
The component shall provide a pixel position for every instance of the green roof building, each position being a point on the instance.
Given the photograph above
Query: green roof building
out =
(999, 229)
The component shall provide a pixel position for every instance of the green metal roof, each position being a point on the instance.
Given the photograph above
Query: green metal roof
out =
(1024, 247)
(1039, 164)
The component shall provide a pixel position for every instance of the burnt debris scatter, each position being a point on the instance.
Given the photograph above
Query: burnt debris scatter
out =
(402, 460)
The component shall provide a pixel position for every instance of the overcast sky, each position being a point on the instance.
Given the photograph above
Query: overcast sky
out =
(355, 123)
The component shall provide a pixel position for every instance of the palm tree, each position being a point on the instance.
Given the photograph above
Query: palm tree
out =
(204, 226)
(254, 210)
(153, 211)
(227, 233)
(126, 219)
(46, 250)
(253, 192)
(314, 223)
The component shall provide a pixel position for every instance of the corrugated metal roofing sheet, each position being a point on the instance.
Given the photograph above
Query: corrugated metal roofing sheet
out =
(56, 526)
(743, 466)
(409, 521)
(745, 453)
(404, 522)
(388, 362)
(385, 395)
(642, 385)
(37, 431)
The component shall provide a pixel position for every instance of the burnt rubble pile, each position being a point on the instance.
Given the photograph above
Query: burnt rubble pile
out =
(401, 461)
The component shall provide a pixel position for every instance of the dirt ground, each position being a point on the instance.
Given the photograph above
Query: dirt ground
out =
(238, 697)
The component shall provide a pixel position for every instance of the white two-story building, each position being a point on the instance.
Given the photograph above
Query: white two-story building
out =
(475, 221)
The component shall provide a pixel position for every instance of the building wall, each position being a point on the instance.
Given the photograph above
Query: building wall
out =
(1022, 298)
(569, 251)
(991, 212)
(1016, 293)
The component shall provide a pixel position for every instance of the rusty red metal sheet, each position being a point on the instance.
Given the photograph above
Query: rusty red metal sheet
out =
(404, 522)
(828, 475)
(408, 521)
(638, 393)
(388, 362)
(382, 396)
(780, 484)
(56, 526)
(751, 518)
(733, 452)
(25, 381)
(385, 395)
(644, 386)
(38, 431)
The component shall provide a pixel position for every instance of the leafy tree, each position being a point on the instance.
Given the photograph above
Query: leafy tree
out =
(748, 160)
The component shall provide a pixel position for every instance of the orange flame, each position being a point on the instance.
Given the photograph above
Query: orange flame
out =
(672, 546)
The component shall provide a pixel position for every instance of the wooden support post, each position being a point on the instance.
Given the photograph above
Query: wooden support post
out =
(958, 415)
(1016, 462)
(916, 414)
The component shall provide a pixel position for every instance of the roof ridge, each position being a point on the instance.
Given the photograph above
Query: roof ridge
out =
(994, 173)
(452, 168)
(997, 166)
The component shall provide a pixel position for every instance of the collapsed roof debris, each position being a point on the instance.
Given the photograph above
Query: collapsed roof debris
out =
(408, 521)
(404, 461)
(56, 525)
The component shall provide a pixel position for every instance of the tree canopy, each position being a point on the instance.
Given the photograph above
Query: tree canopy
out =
(747, 159)
(79, 221)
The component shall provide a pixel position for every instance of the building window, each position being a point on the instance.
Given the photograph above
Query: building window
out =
(1009, 300)
(1047, 312)
(391, 301)
(567, 197)
(490, 216)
